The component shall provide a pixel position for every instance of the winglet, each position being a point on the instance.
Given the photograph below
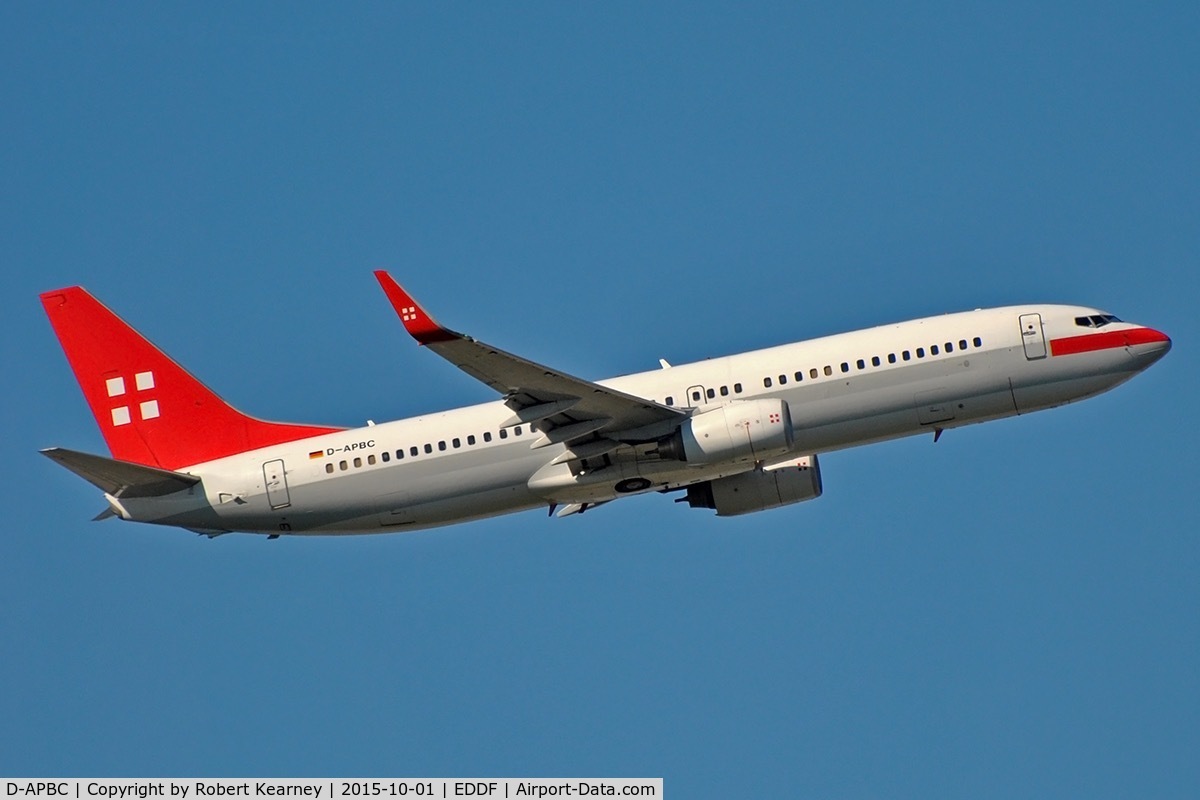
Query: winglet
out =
(417, 321)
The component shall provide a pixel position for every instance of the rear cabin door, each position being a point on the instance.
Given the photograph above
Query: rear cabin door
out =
(275, 479)
(1032, 336)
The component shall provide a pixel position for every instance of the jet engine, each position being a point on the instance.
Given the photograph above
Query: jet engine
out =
(744, 430)
(773, 486)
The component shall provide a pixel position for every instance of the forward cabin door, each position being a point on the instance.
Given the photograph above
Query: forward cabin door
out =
(275, 479)
(1032, 336)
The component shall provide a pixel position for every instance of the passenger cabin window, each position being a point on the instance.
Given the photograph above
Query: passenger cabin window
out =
(812, 373)
(428, 448)
(828, 370)
(471, 439)
(845, 367)
(487, 436)
(386, 456)
(399, 454)
(861, 364)
(767, 382)
(962, 344)
(799, 376)
(517, 430)
(978, 342)
(696, 396)
(413, 451)
(737, 388)
(724, 391)
(920, 352)
(711, 393)
(371, 460)
(357, 463)
(670, 401)
(343, 466)
(949, 347)
(329, 468)
(933, 350)
(907, 356)
(783, 380)
(456, 443)
(891, 358)
(874, 361)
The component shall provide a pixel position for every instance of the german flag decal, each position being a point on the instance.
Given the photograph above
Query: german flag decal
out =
(316, 454)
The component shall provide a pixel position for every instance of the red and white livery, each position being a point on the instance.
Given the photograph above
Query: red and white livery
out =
(735, 434)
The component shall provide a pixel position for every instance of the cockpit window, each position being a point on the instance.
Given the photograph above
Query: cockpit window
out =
(1095, 321)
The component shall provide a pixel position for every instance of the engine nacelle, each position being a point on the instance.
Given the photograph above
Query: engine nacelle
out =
(744, 430)
(773, 486)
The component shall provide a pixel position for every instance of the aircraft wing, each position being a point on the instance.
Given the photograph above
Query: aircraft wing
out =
(589, 418)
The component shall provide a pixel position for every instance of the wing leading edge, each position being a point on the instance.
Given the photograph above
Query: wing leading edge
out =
(588, 418)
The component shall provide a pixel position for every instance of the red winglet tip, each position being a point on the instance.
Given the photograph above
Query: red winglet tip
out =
(417, 321)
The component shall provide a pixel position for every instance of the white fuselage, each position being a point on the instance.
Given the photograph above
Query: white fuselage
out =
(843, 390)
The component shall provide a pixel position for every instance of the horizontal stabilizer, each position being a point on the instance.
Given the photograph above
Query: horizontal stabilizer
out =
(121, 478)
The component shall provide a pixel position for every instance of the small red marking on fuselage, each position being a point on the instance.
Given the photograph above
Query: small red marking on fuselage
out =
(1091, 342)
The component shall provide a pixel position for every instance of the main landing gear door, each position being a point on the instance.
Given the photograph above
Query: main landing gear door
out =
(1032, 336)
(933, 407)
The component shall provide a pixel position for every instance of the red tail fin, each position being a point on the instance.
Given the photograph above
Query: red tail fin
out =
(150, 410)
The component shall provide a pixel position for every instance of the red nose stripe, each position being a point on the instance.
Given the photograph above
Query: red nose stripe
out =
(1090, 342)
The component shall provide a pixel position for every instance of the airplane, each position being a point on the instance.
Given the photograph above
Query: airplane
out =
(736, 435)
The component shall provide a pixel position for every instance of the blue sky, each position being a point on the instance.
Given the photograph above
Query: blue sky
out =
(1012, 612)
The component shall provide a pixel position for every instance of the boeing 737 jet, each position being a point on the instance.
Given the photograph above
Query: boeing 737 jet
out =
(734, 434)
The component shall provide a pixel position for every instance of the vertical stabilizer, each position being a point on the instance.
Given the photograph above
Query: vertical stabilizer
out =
(150, 410)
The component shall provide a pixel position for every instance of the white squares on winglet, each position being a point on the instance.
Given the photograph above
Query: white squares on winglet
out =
(145, 380)
(149, 409)
(116, 386)
(120, 415)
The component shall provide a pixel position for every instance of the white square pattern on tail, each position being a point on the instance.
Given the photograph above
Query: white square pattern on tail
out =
(147, 408)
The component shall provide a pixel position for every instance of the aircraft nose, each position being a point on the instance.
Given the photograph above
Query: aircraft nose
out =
(1148, 344)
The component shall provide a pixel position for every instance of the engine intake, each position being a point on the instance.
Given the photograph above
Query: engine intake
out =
(744, 430)
(773, 486)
